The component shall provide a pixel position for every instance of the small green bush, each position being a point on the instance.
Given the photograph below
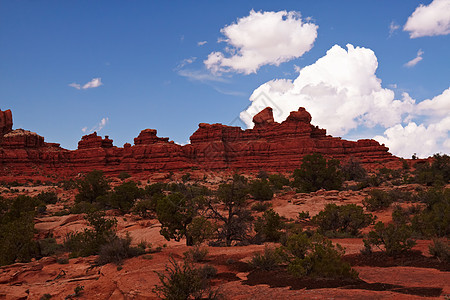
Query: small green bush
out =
(316, 172)
(270, 259)
(47, 197)
(440, 249)
(260, 190)
(92, 186)
(183, 281)
(395, 238)
(261, 206)
(196, 254)
(377, 200)
(269, 226)
(345, 219)
(116, 250)
(278, 181)
(353, 170)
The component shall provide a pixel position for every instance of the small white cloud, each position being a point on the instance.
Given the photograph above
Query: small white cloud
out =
(97, 127)
(95, 82)
(429, 20)
(297, 69)
(262, 38)
(202, 43)
(393, 27)
(75, 85)
(392, 85)
(186, 61)
(415, 60)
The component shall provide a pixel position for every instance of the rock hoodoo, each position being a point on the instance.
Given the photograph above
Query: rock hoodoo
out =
(269, 145)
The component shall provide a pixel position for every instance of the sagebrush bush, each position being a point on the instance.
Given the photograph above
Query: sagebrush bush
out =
(394, 238)
(196, 254)
(261, 190)
(278, 181)
(353, 170)
(116, 250)
(440, 249)
(269, 226)
(316, 172)
(345, 219)
(261, 206)
(47, 197)
(270, 259)
(183, 281)
(92, 186)
(377, 200)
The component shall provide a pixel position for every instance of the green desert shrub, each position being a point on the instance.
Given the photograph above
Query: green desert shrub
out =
(261, 206)
(122, 197)
(47, 197)
(435, 173)
(183, 281)
(17, 229)
(434, 219)
(269, 227)
(377, 200)
(270, 259)
(353, 170)
(316, 172)
(345, 219)
(89, 241)
(316, 256)
(123, 175)
(392, 238)
(278, 181)
(261, 190)
(196, 254)
(440, 249)
(92, 186)
(116, 249)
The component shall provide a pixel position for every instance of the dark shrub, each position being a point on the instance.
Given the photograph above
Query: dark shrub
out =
(116, 250)
(260, 190)
(261, 206)
(353, 170)
(123, 196)
(347, 219)
(436, 173)
(317, 173)
(47, 197)
(440, 249)
(394, 238)
(278, 181)
(196, 254)
(93, 185)
(183, 281)
(269, 226)
(270, 259)
(377, 200)
(123, 175)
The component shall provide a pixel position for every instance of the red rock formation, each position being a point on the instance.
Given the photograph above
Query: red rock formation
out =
(269, 145)
(6, 122)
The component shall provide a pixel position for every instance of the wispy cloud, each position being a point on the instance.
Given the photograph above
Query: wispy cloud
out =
(393, 27)
(197, 75)
(415, 60)
(95, 82)
(230, 92)
(97, 127)
(186, 61)
(202, 43)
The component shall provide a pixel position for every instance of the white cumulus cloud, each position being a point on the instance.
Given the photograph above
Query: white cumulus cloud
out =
(201, 43)
(342, 92)
(260, 39)
(429, 20)
(415, 60)
(95, 82)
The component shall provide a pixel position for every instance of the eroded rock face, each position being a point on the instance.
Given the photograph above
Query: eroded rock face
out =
(269, 145)
(6, 122)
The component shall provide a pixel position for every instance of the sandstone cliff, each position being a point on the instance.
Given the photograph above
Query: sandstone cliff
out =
(269, 145)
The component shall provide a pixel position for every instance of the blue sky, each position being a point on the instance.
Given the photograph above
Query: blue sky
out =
(145, 62)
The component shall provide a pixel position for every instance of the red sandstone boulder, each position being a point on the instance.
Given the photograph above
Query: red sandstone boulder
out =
(20, 138)
(264, 117)
(148, 136)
